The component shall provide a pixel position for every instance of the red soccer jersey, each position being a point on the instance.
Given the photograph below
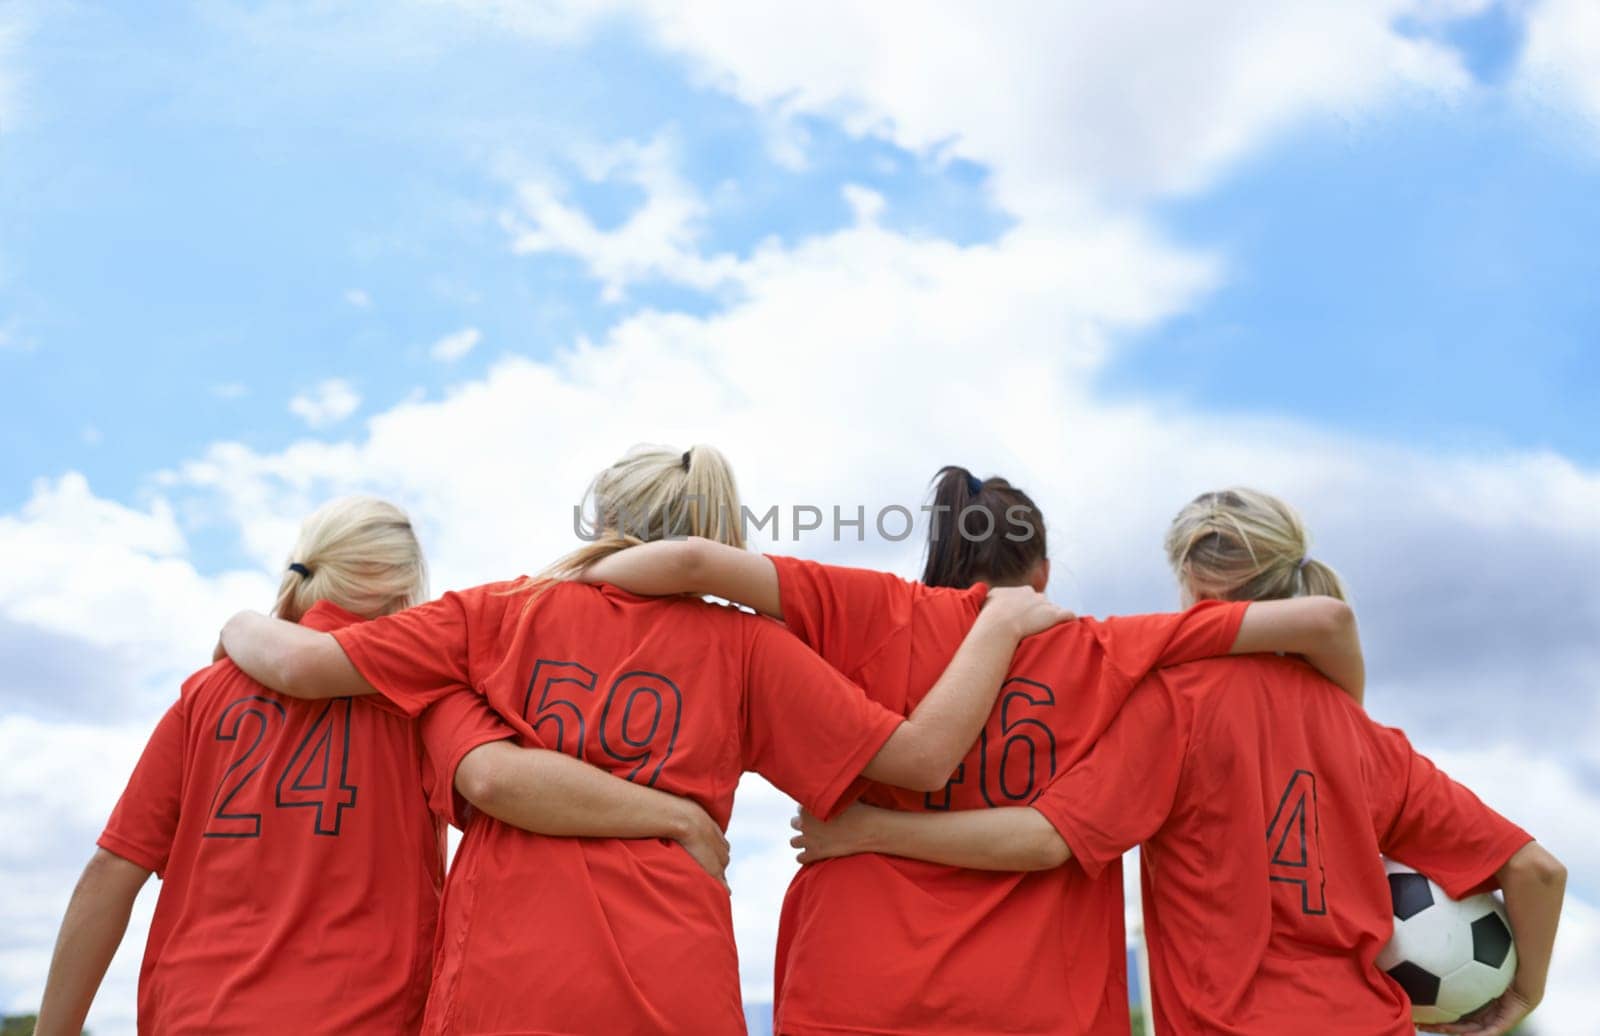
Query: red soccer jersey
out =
(886, 945)
(579, 935)
(1264, 797)
(301, 864)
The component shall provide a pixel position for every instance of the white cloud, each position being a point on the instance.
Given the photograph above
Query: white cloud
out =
(455, 345)
(657, 240)
(1561, 59)
(116, 579)
(1066, 102)
(326, 403)
(358, 298)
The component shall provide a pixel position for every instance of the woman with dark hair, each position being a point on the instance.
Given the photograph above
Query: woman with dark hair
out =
(881, 944)
(984, 531)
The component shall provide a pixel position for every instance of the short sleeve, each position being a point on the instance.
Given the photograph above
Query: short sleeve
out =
(1439, 827)
(843, 614)
(808, 730)
(1136, 644)
(451, 727)
(414, 657)
(145, 820)
(1121, 792)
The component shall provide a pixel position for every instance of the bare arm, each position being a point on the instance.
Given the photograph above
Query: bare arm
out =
(923, 750)
(692, 566)
(291, 659)
(96, 918)
(551, 793)
(1535, 883)
(1011, 838)
(1323, 629)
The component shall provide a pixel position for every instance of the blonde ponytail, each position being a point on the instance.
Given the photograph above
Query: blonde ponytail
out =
(653, 493)
(359, 553)
(1245, 545)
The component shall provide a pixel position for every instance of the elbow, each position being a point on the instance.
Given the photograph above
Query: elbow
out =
(1543, 867)
(1338, 619)
(1044, 849)
(479, 780)
(914, 759)
(1534, 864)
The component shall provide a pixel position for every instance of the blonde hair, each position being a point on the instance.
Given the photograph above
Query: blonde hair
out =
(359, 553)
(1245, 545)
(655, 493)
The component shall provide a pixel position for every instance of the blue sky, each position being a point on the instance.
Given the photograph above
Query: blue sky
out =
(186, 211)
(1426, 275)
(1345, 253)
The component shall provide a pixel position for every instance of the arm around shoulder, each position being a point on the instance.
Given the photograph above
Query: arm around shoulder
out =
(291, 659)
(1323, 629)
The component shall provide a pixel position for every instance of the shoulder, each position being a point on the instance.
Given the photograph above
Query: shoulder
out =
(221, 687)
(879, 584)
(1238, 674)
(220, 678)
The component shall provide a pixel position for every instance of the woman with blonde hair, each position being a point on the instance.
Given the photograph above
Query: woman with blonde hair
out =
(1263, 800)
(300, 843)
(606, 935)
(880, 944)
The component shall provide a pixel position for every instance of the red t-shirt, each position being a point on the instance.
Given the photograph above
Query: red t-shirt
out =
(1264, 796)
(301, 863)
(602, 935)
(881, 944)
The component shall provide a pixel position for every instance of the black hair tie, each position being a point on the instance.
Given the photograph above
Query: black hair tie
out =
(685, 460)
(974, 485)
(299, 569)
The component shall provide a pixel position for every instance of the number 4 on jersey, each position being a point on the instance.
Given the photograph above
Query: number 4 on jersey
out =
(1294, 843)
(323, 754)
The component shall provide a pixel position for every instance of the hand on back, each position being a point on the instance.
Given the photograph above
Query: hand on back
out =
(1023, 609)
(705, 842)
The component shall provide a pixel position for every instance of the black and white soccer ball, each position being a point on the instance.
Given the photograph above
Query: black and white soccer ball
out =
(1450, 956)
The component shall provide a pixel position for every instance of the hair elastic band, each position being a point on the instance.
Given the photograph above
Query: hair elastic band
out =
(301, 570)
(1304, 562)
(974, 485)
(685, 461)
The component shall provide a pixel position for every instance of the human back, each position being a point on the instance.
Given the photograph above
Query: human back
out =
(1263, 797)
(301, 864)
(855, 927)
(623, 936)
(679, 695)
(1281, 761)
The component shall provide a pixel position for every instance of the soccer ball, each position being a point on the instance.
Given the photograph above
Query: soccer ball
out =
(1450, 956)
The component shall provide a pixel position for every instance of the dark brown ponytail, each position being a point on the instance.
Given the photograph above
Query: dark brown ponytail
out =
(981, 531)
